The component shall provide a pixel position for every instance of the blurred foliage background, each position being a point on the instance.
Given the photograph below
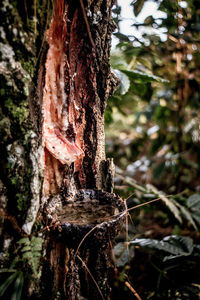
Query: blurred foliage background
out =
(153, 133)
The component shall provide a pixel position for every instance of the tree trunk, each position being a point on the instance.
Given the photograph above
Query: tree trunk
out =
(56, 184)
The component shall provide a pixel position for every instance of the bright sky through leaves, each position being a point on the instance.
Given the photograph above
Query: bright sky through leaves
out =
(127, 18)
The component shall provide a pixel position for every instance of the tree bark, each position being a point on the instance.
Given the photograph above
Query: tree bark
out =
(56, 187)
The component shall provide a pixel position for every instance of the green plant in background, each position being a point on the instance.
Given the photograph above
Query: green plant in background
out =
(25, 265)
(156, 109)
(31, 251)
(159, 115)
(16, 279)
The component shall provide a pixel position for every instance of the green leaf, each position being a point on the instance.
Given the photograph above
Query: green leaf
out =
(26, 248)
(138, 88)
(117, 10)
(142, 77)
(188, 216)
(36, 243)
(118, 61)
(32, 252)
(7, 283)
(159, 170)
(149, 20)
(124, 82)
(19, 282)
(37, 240)
(35, 264)
(145, 61)
(185, 212)
(193, 203)
(36, 254)
(168, 202)
(183, 244)
(27, 255)
(196, 251)
(176, 245)
(122, 37)
(37, 248)
(196, 216)
(122, 254)
(24, 241)
(130, 50)
(108, 117)
(137, 6)
(7, 270)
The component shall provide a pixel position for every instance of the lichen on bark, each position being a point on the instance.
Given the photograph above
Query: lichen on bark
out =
(66, 63)
(18, 57)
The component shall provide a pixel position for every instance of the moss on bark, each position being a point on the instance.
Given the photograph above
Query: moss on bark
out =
(23, 50)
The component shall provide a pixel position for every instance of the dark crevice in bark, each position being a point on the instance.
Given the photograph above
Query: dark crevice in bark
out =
(71, 257)
(87, 85)
(90, 150)
(62, 64)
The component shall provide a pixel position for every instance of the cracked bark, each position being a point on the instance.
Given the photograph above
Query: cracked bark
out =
(71, 182)
(76, 83)
(73, 88)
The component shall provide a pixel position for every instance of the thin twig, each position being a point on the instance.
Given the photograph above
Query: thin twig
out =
(126, 201)
(131, 182)
(84, 264)
(87, 24)
(35, 17)
(83, 239)
(113, 254)
(26, 12)
(145, 203)
(14, 223)
(132, 290)
(127, 214)
(117, 215)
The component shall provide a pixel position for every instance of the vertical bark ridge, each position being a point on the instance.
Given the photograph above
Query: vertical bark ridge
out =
(74, 91)
(77, 84)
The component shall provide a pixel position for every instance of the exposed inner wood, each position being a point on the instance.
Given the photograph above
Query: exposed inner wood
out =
(59, 118)
(73, 104)
(74, 85)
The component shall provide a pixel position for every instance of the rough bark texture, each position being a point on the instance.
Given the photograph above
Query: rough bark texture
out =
(55, 172)
(73, 89)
